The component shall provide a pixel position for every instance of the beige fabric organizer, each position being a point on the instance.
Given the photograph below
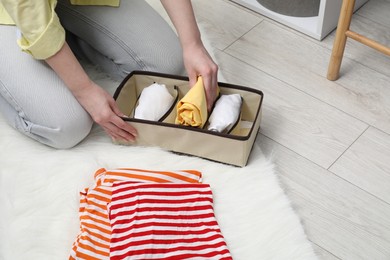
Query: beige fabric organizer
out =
(231, 148)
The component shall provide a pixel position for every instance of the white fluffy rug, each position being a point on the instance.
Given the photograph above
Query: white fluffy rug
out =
(39, 195)
(39, 189)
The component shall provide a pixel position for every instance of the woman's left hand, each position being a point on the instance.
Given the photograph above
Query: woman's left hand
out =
(198, 62)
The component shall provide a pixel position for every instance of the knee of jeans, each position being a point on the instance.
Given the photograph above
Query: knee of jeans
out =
(172, 63)
(64, 135)
(176, 68)
(71, 133)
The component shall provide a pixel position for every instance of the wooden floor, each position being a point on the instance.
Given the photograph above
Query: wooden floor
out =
(330, 140)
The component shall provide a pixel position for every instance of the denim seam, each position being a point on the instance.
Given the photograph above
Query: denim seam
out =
(10, 99)
(105, 31)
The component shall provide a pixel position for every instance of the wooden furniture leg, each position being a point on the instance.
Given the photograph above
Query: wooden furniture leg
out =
(343, 32)
(340, 39)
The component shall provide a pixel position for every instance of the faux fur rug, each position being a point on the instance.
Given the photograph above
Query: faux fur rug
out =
(39, 197)
(39, 194)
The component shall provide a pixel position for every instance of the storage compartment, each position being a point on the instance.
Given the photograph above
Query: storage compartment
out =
(231, 148)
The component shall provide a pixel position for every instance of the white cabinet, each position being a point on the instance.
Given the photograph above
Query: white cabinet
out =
(316, 26)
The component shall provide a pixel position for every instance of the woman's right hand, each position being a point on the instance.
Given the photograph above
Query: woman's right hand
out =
(95, 100)
(105, 112)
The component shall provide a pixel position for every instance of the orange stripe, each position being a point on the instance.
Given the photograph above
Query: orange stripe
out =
(170, 174)
(138, 176)
(74, 249)
(194, 172)
(103, 205)
(98, 172)
(180, 177)
(103, 230)
(90, 248)
(97, 213)
(96, 243)
(100, 236)
(102, 190)
(98, 197)
(85, 256)
(88, 217)
(110, 180)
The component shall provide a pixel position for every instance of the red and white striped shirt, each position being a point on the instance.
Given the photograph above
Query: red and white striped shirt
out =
(96, 239)
(164, 221)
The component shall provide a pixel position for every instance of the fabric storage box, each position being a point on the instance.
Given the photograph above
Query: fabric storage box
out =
(231, 148)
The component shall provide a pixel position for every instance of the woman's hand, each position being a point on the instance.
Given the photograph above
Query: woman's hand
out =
(95, 100)
(198, 62)
(105, 112)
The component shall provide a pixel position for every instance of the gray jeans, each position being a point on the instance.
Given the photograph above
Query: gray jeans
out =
(37, 103)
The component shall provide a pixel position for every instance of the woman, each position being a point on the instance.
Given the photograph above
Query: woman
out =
(44, 91)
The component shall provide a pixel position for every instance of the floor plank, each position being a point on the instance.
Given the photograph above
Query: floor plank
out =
(300, 122)
(366, 164)
(224, 22)
(338, 216)
(360, 92)
(377, 10)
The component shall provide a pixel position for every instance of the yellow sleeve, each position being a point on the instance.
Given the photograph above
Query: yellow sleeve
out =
(96, 2)
(42, 32)
(4, 17)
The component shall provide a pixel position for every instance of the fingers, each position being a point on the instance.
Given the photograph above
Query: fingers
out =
(117, 127)
(198, 61)
(120, 130)
(115, 108)
(105, 112)
(193, 77)
(210, 85)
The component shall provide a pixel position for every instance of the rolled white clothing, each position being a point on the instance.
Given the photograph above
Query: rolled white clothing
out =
(225, 113)
(154, 102)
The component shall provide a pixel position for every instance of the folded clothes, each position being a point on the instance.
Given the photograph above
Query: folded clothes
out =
(192, 108)
(142, 214)
(154, 102)
(225, 113)
(94, 238)
(164, 221)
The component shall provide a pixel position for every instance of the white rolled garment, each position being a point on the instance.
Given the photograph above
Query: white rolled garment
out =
(225, 113)
(154, 102)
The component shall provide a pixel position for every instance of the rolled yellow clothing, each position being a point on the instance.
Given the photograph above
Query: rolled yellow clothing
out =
(192, 108)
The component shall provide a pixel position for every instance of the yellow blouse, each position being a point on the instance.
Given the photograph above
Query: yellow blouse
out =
(42, 34)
